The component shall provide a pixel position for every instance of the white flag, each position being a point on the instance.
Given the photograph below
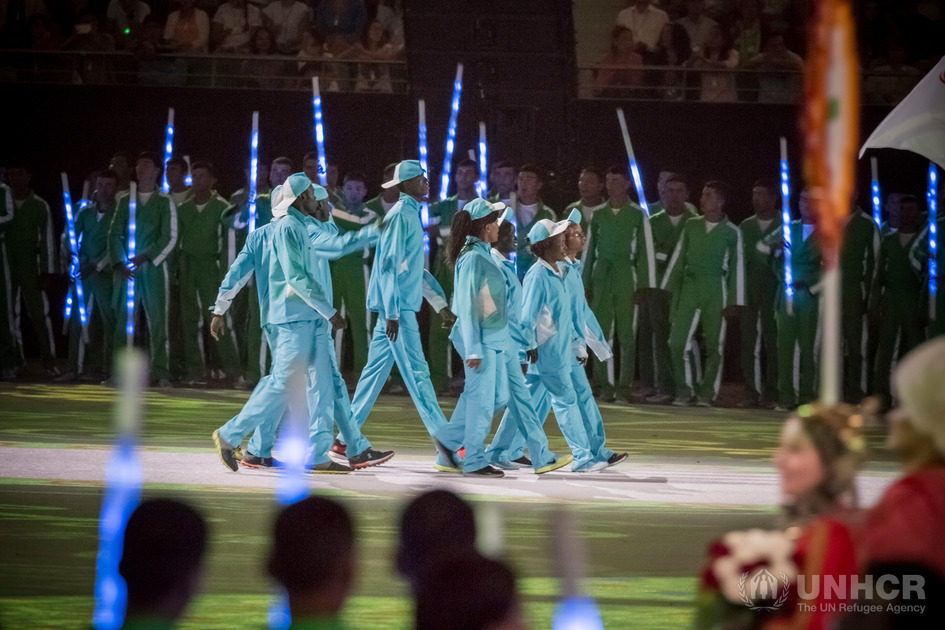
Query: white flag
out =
(918, 122)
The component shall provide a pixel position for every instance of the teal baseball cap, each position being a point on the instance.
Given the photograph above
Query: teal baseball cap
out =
(575, 216)
(294, 186)
(479, 208)
(408, 169)
(546, 228)
(505, 214)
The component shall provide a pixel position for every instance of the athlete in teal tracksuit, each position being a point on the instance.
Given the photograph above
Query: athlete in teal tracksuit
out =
(481, 337)
(396, 291)
(290, 303)
(155, 239)
(706, 276)
(588, 333)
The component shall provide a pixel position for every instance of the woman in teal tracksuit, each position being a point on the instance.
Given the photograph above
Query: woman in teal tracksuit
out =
(481, 337)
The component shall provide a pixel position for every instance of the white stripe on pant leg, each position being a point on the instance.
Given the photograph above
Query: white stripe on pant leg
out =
(611, 377)
(796, 367)
(697, 357)
(757, 355)
(167, 310)
(893, 364)
(49, 332)
(690, 342)
(863, 366)
(200, 344)
(8, 288)
(17, 331)
(718, 376)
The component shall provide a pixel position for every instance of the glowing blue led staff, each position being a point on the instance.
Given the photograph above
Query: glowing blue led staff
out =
(319, 132)
(634, 171)
(83, 202)
(424, 209)
(168, 146)
(482, 186)
(74, 267)
(123, 478)
(130, 296)
(292, 484)
(253, 165)
(933, 236)
(451, 133)
(874, 189)
(188, 179)
(786, 227)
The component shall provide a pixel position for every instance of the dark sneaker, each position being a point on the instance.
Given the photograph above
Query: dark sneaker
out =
(522, 461)
(748, 403)
(226, 452)
(505, 464)
(445, 464)
(682, 402)
(445, 454)
(562, 461)
(486, 471)
(616, 458)
(659, 399)
(703, 402)
(329, 468)
(251, 461)
(369, 457)
(605, 397)
(338, 448)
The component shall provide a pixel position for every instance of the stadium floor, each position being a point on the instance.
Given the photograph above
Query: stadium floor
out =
(692, 475)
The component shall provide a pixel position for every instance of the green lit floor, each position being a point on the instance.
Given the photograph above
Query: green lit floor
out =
(641, 556)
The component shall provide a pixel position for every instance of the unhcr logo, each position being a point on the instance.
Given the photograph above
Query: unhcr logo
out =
(761, 590)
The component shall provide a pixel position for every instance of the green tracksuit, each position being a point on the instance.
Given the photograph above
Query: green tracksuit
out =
(897, 298)
(243, 317)
(177, 353)
(705, 274)
(29, 252)
(797, 332)
(524, 260)
(156, 237)
(200, 249)
(10, 357)
(656, 368)
(349, 277)
(587, 212)
(619, 260)
(857, 267)
(440, 349)
(919, 255)
(91, 227)
(758, 328)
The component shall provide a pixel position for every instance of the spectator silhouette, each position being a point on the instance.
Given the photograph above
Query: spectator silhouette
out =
(621, 67)
(162, 561)
(313, 559)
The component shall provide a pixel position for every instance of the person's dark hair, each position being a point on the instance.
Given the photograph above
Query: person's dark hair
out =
(503, 164)
(164, 542)
(467, 163)
(312, 542)
(676, 177)
(594, 170)
(107, 173)
(178, 161)
(619, 169)
(538, 249)
(535, 170)
(722, 189)
(908, 198)
(207, 166)
(464, 225)
(769, 184)
(433, 525)
(123, 155)
(469, 591)
(506, 229)
(355, 176)
(153, 157)
(284, 161)
(311, 155)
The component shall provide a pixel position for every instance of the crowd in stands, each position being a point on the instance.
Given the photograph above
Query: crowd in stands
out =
(345, 42)
(898, 42)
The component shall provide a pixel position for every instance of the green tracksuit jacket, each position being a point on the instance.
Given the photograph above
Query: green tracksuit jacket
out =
(758, 327)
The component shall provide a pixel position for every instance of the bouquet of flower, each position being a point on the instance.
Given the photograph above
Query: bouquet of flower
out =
(748, 579)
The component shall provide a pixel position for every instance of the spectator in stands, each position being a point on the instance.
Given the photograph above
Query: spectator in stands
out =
(288, 20)
(311, 48)
(873, 27)
(479, 591)
(697, 25)
(234, 25)
(313, 559)
(889, 83)
(673, 49)
(340, 23)
(646, 22)
(161, 562)
(436, 525)
(125, 19)
(14, 18)
(38, 35)
(188, 28)
(925, 40)
(264, 74)
(390, 14)
(153, 67)
(376, 45)
(717, 87)
(88, 38)
(620, 69)
(746, 31)
(780, 80)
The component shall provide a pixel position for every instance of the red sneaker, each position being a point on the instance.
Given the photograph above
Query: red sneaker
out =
(338, 448)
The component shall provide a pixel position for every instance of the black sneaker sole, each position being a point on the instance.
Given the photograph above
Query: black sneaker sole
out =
(218, 443)
(373, 462)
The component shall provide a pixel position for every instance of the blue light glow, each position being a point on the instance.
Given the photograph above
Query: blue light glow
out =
(482, 186)
(786, 225)
(577, 613)
(933, 229)
(168, 146)
(188, 178)
(74, 248)
(319, 132)
(424, 208)
(451, 133)
(638, 182)
(253, 166)
(130, 303)
(877, 204)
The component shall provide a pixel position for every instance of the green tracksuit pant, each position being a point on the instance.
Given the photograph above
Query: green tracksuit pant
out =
(152, 286)
(700, 302)
(95, 356)
(656, 368)
(854, 333)
(797, 349)
(440, 350)
(349, 282)
(759, 331)
(199, 281)
(612, 304)
(22, 287)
